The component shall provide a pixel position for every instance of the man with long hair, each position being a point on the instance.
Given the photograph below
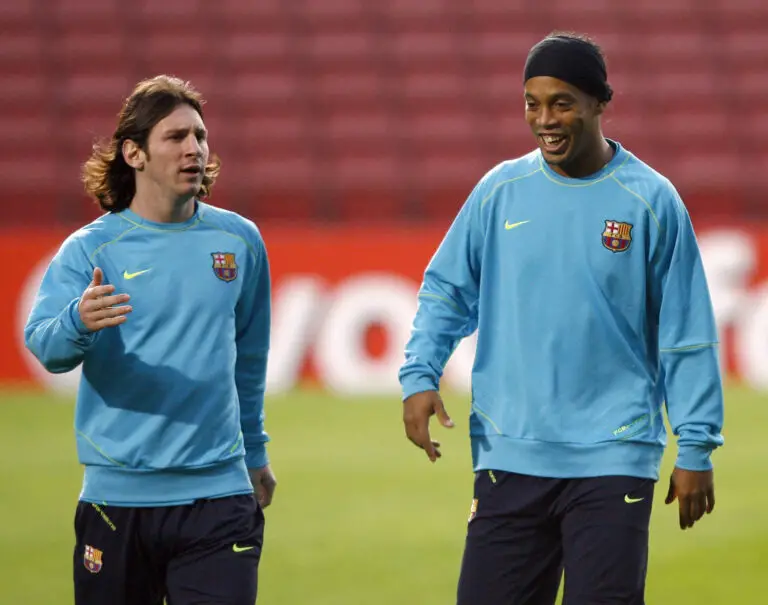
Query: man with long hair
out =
(165, 301)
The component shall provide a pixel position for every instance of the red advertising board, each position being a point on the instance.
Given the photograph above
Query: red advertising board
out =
(343, 302)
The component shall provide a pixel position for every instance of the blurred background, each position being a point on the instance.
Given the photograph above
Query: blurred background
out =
(351, 131)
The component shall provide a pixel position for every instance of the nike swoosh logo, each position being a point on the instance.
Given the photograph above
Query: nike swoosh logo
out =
(237, 548)
(508, 225)
(127, 275)
(629, 500)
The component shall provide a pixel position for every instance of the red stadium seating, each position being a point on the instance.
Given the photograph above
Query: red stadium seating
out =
(352, 110)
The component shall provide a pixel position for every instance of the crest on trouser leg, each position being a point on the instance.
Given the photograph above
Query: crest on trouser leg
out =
(92, 559)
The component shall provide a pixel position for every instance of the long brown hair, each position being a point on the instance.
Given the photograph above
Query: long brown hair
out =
(107, 178)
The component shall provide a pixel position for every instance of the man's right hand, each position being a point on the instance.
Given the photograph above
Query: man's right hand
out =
(417, 410)
(97, 306)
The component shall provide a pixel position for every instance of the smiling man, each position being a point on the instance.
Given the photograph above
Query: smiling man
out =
(165, 301)
(578, 266)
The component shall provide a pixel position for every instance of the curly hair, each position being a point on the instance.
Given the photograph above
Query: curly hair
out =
(106, 176)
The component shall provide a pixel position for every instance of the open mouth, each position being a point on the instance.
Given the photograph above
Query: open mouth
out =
(553, 143)
(192, 170)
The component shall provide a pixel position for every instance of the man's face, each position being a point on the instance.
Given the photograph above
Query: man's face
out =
(176, 154)
(563, 118)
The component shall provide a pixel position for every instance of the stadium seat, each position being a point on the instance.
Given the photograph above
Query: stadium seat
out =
(404, 11)
(23, 12)
(248, 48)
(264, 9)
(23, 45)
(23, 93)
(174, 9)
(92, 90)
(344, 89)
(316, 105)
(329, 11)
(85, 10)
(500, 9)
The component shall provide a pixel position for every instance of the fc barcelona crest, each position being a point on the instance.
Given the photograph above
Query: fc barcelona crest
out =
(224, 266)
(617, 237)
(92, 559)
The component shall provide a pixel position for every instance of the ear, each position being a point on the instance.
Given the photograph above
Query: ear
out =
(600, 107)
(133, 154)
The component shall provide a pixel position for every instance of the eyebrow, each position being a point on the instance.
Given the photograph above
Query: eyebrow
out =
(197, 130)
(558, 96)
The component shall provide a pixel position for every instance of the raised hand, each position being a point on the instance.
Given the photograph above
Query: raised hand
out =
(99, 308)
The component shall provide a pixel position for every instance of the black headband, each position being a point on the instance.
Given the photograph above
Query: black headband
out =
(571, 60)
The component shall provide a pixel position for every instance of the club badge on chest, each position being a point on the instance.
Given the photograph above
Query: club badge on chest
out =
(224, 266)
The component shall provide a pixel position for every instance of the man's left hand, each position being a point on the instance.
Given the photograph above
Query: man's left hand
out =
(695, 492)
(264, 484)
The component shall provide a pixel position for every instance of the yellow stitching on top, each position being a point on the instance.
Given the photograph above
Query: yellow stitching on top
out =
(641, 198)
(587, 184)
(497, 185)
(100, 248)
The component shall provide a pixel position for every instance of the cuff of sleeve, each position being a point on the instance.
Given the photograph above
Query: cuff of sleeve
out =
(418, 385)
(77, 321)
(256, 455)
(694, 458)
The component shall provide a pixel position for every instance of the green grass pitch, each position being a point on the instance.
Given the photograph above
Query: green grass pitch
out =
(361, 517)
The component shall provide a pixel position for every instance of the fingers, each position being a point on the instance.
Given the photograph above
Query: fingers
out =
(418, 433)
(264, 483)
(692, 509)
(101, 312)
(685, 504)
(99, 308)
(671, 493)
(442, 415)
(698, 507)
(110, 312)
(264, 496)
(436, 449)
(109, 322)
(684, 513)
(417, 410)
(104, 302)
(94, 292)
(432, 450)
(110, 317)
(265, 489)
(695, 494)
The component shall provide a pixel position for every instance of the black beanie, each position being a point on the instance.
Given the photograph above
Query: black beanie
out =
(571, 60)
